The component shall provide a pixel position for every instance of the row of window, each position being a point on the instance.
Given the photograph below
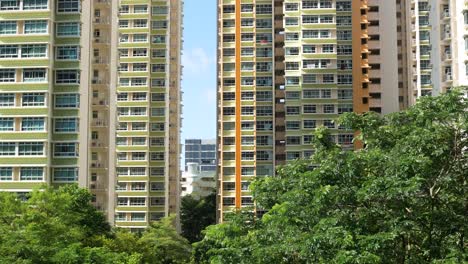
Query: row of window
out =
(249, 81)
(63, 6)
(142, 52)
(245, 201)
(259, 9)
(319, 4)
(231, 186)
(141, 96)
(260, 52)
(142, 37)
(249, 110)
(320, 78)
(64, 149)
(259, 96)
(141, 111)
(154, 127)
(25, 174)
(262, 38)
(143, 9)
(140, 186)
(154, 156)
(318, 93)
(249, 22)
(259, 155)
(141, 67)
(249, 141)
(140, 201)
(311, 124)
(40, 75)
(63, 29)
(138, 217)
(260, 125)
(259, 170)
(26, 124)
(38, 51)
(140, 171)
(143, 23)
(71, 100)
(313, 108)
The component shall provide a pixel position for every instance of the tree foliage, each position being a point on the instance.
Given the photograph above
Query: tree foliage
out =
(402, 198)
(61, 226)
(196, 215)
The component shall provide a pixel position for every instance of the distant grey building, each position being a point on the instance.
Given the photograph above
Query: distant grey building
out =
(201, 151)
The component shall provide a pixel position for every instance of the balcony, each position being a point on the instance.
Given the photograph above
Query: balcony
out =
(100, 102)
(101, 20)
(101, 40)
(98, 144)
(100, 60)
(102, 2)
(99, 123)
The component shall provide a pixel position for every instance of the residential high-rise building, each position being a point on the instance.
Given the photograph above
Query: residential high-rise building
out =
(285, 67)
(201, 151)
(388, 89)
(436, 33)
(90, 93)
(148, 110)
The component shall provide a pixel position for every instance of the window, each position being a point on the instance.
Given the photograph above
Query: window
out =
(32, 174)
(66, 125)
(309, 109)
(31, 149)
(9, 5)
(159, 24)
(68, 6)
(141, 9)
(35, 27)
(137, 201)
(6, 173)
(34, 4)
(140, 23)
(67, 77)
(140, 38)
(68, 53)
(65, 149)
(7, 124)
(8, 51)
(157, 156)
(158, 201)
(65, 174)
(7, 75)
(7, 27)
(32, 124)
(263, 9)
(7, 149)
(7, 99)
(311, 94)
(328, 109)
(34, 75)
(68, 29)
(345, 94)
(67, 101)
(309, 124)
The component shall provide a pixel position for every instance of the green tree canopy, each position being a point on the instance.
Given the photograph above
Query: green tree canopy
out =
(59, 225)
(196, 215)
(402, 198)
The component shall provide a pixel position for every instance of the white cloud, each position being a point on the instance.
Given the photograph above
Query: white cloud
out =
(197, 61)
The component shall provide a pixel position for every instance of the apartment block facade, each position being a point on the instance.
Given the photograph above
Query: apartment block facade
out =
(284, 68)
(437, 36)
(90, 94)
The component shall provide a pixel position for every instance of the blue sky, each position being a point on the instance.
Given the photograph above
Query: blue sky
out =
(199, 73)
